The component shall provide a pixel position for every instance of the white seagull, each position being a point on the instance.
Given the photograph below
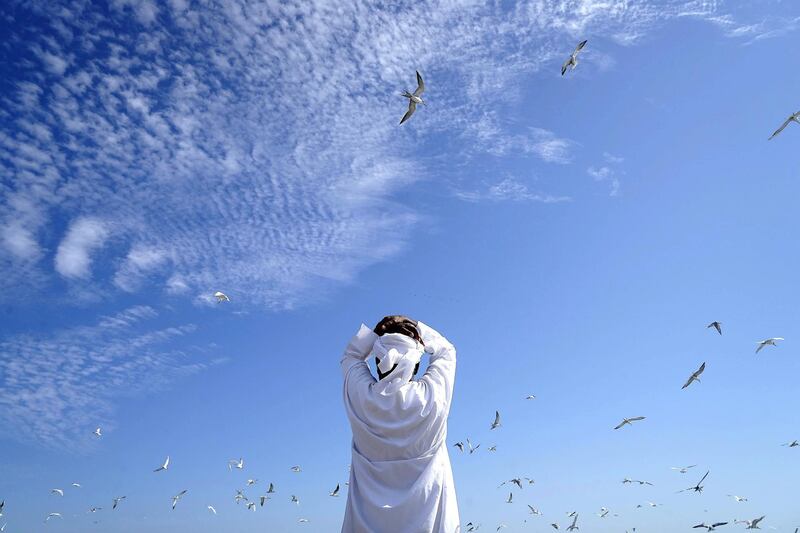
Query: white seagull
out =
(682, 469)
(768, 342)
(164, 466)
(60, 492)
(98, 432)
(496, 424)
(53, 515)
(177, 497)
(221, 297)
(233, 463)
(695, 376)
(572, 62)
(629, 421)
(794, 117)
(414, 98)
(738, 498)
(211, 508)
(751, 524)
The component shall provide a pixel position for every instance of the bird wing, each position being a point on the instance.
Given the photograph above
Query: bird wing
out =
(420, 85)
(636, 418)
(412, 106)
(566, 65)
(580, 46)
(760, 346)
(700, 370)
(703, 478)
(786, 123)
(717, 524)
(620, 424)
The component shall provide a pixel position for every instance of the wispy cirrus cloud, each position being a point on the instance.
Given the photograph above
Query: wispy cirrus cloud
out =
(55, 388)
(219, 162)
(508, 189)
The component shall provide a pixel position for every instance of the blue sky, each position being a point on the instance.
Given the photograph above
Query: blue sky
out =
(572, 236)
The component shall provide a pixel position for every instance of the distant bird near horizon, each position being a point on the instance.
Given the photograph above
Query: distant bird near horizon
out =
(163, 466)
(629, 421)
(414, 98)
(572, 61)
(751, 524)
(221, 297)
(682, 469)
(698, 487)
(574, 525)
(794, 117)
(496, 424)
(695, 376)
(768, 342)
(711, 527)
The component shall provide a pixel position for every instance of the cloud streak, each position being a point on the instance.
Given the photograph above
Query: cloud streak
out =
(55, 388)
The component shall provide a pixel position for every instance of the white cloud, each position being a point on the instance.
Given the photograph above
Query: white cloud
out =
(141, 260)
(20, 242)
(74, 256)
(605, 174)
(508, 189)
(56, 388)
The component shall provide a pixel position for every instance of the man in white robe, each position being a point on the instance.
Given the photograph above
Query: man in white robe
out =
(400, 478)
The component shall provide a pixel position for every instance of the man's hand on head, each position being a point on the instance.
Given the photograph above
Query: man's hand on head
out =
(398, 324)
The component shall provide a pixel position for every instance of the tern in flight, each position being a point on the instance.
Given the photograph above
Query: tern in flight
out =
(472, 448)
(574, 525)
(60, 492)
(116, 502)
(177, 497)
(263, 500)
(711, 527)
(496, 424)
(295, 499)
(716, 325)
(572, 62)
(510, 498)
(271, 489)
(751, 524)
(534, 510)
(460, 446)
(221, 297)
(414, 98)
(738, 498)
(211, 508)
(794, 117)
(335, 492)
(698, 487)
(682, 469)
(768, 342)
(233, 463)
(164, 466)
(695, 376)
(98, 432)
(53, 515)
(629, 421)
(792, 444)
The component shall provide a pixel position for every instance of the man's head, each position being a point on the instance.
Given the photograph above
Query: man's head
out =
(397, 324)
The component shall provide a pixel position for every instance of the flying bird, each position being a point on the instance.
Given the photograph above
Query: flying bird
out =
(768, 342)
(98, 433)
(738, 498)
(76, 485)
(496, 424)
(414, 98)
(296, 469)
(751, 524)
(460, 446)
(177, 497)
(164, 466)
(574, 525)
(335, 491)
(698, 487)
(59, 492)
(695, 376)
(472, 449)
(116, 502)
(221, 297)
(251, 506)
(95, 509)
(295, 499)
(263, 500)
(792, 444)
(534, 511)
(240, 496)
(510, 498)
(492, 448)
(271, 489)
(53, 515)
(233, 463)
(530, 397)
(794, 117)
(572, 62)
(629, 421)
(682, 469)
(211, 508)
(251, 482)
(716, 325)
(711, 527)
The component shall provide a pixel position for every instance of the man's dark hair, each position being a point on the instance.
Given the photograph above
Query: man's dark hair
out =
(397, 324)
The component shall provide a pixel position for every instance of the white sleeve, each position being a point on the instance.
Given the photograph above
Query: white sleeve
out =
(441, 372)
(358, 349)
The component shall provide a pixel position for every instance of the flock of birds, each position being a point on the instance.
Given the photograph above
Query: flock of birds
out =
(414, 99)
(604, 512)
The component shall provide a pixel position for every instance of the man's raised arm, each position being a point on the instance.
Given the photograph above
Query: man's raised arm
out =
(358, 349)
(441, 371)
